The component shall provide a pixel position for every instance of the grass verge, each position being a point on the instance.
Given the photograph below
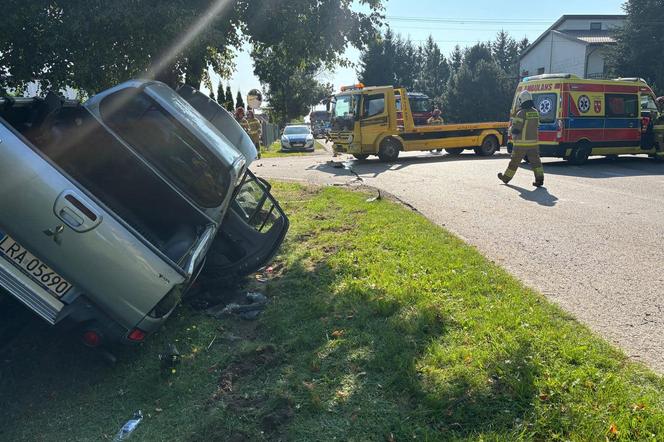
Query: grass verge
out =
(274, 150)
(381, 327)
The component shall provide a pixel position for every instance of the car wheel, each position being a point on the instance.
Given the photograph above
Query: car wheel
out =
(389, 150)
(489, 147)
(456, 151)
(580, 153)
(361, 156)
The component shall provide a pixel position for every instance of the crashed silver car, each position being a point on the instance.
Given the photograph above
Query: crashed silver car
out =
(111, 209)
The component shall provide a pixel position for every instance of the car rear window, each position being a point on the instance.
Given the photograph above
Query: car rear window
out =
(547, 106)
(167, 145)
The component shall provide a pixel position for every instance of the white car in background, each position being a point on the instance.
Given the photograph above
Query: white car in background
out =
(297, 137)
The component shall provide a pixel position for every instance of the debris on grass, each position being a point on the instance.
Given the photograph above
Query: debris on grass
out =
(169, 358)
(256, 303)
(129, 427)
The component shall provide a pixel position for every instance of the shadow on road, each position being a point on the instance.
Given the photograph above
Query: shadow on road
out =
(607, 168)
(539, 195)
(375, 167)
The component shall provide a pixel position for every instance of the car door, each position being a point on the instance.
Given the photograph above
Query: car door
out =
(373, 119)
(63, 226)
(250, 235)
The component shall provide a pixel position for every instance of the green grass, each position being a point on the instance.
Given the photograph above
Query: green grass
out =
(381, 327)
(274, 150)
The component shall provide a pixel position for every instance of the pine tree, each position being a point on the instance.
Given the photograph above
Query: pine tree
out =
(434, 71)
(523, 45)
(239, 102)
(228, 102)
(456, 59)
(505, 51)
(221, 97)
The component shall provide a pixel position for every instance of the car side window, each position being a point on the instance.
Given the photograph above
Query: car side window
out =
(373, 105)
(622, 105)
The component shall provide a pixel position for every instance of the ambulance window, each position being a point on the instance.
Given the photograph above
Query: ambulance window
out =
(647, 103)
(374, 105)
(622, 106)
(547, 106)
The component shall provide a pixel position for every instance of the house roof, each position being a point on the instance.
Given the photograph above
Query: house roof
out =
(588, 37)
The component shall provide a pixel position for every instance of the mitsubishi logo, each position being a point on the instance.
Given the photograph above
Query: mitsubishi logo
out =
(55, 233)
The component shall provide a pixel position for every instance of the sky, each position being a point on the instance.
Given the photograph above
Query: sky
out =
(450, 22)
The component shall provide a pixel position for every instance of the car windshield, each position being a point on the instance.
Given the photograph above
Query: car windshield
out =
(344, 106)
(296, 130)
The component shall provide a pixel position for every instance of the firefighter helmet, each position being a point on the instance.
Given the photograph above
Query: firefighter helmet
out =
(436, 112)
(523, 97)
(660, 102)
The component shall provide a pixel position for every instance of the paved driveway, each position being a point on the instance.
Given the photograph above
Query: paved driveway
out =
(592, 241)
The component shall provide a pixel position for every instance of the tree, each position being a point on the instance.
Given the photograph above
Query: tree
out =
(221, 95)
(456, 59)
(239, 102)
(640, 43)
(228, 101)
(479, 90)
(505, 51)
(434, 71)
(94, 44)
(290, 92)
(389, 60)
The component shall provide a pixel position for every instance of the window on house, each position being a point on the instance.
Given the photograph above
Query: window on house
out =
(540, 71)
(596, 26)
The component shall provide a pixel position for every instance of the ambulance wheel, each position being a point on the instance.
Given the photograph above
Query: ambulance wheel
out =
(489, 147)
(389, 150)
(580, 154)
(361, 156)
(456, 151)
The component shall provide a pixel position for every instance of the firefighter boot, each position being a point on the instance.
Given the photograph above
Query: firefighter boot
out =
(503, 178)
(507, 176)
(539, 176)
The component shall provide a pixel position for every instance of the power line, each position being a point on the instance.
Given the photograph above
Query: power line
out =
(467, 20)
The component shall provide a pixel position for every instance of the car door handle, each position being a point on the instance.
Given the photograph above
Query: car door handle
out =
(76, 211)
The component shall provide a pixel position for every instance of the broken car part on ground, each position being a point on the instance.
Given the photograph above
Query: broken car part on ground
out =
(111, 209)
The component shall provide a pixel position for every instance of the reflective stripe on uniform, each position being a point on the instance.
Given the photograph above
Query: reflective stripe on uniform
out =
(526, 144)
(509, 173)
(517, 120)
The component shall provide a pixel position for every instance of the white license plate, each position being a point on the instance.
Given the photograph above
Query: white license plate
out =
(33, 267)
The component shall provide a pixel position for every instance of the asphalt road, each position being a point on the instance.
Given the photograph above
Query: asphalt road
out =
(592, 241)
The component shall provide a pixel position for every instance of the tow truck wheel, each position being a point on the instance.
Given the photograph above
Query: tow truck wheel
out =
(361, 156)
(489, 147)
(456, 151)
(389, 150)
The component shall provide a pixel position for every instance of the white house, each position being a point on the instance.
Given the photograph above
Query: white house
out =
(575, 44)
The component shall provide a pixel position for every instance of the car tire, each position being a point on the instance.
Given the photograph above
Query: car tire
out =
(455, 151)
(389, 150)
(489, 146)
(361, 156)
(580, 153)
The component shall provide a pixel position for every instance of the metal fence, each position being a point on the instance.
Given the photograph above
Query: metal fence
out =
(270, 133)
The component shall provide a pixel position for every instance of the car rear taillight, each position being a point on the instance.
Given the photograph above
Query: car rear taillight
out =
(91, 338)
(136, 335)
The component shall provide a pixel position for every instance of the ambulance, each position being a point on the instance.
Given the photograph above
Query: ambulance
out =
(580, 118)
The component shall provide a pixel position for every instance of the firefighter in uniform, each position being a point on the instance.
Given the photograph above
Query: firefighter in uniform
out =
(435, 118)
(239, 117)
(525, 139)
(255, 130)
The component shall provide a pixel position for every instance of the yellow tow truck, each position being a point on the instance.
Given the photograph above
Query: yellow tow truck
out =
(378, 121)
